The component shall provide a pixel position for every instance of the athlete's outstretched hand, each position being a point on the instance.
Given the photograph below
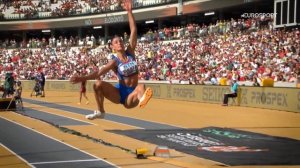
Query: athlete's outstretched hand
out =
(127, 5)
(75, 79)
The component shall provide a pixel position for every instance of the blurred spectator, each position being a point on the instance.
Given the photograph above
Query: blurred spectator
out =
(255, 81)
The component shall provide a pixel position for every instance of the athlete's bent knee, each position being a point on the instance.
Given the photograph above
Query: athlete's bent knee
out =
(132, 105)
(97, 85)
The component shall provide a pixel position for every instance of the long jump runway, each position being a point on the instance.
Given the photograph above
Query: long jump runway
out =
(198, 135)
(39, 150)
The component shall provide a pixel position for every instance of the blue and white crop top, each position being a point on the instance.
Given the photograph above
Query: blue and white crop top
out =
(126, 69)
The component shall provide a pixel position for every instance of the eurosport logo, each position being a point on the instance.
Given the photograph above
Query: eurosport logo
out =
(258, 15)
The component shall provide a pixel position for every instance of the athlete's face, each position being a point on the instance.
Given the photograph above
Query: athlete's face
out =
(117, 44)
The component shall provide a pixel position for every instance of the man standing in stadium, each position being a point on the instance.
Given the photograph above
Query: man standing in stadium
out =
(42, 80)
(127, 91)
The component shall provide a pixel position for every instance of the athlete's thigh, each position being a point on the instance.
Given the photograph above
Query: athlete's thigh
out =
(132, 99)
(110, 92)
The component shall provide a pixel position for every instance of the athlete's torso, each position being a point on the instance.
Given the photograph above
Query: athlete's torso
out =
(126, 69)
(127, 72)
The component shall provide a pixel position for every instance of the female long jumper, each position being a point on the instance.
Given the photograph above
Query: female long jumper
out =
(127, 91)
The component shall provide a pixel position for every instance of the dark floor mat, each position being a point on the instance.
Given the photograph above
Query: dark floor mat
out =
(229, 146)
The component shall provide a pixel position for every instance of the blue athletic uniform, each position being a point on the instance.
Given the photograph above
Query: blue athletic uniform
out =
(124, 70)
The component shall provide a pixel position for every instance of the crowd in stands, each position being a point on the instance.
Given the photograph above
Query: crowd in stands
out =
(29, 9)
(89, 40)
(243, 49)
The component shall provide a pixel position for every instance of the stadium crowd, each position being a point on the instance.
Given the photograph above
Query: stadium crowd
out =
(16, 9)
(244, 49)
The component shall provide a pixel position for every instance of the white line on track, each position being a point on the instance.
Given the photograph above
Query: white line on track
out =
(53, 113)
(25, 161)
(104, 118)
(100, 159)
(65, 161)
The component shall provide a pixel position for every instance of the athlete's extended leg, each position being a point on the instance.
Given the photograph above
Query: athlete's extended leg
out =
(104, 90)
